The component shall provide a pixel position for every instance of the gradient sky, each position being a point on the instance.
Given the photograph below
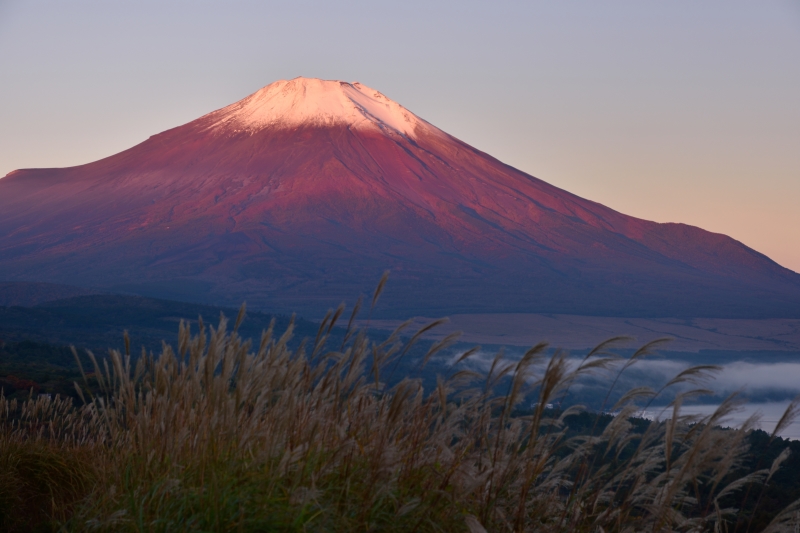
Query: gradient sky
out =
(679, 111)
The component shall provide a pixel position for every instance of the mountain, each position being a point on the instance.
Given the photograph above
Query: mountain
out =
(99, 322)
(300, 195)
(26, 294)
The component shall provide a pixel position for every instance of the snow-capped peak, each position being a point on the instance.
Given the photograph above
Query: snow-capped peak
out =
(311, 101)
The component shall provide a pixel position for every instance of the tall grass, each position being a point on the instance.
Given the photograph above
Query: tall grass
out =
(220, 435)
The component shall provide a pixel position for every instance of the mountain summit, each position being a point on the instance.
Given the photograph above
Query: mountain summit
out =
(303, 193)
(319, 103)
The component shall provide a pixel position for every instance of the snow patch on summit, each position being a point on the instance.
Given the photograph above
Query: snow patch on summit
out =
(315, 102)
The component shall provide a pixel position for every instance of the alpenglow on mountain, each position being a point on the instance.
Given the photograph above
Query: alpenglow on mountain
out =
(300, 196)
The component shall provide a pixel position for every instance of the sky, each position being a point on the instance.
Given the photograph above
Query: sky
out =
(677, 111)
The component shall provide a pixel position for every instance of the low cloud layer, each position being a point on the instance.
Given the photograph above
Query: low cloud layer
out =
(758, 382)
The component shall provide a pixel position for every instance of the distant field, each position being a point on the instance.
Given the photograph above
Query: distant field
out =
(582, 332)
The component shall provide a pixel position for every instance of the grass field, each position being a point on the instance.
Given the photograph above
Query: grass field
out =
(216, 434)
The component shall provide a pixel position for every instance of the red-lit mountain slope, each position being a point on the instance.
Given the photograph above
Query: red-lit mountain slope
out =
(302, 194)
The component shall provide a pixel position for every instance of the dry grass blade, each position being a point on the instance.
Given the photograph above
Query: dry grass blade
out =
(466, 355)
(695, 374)
(239, 320)
(379, 288)
(633, 395)
(350, 323)
(335, 318)
(613, 342)
(788, 418)
(777, 463)
(438, 346)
